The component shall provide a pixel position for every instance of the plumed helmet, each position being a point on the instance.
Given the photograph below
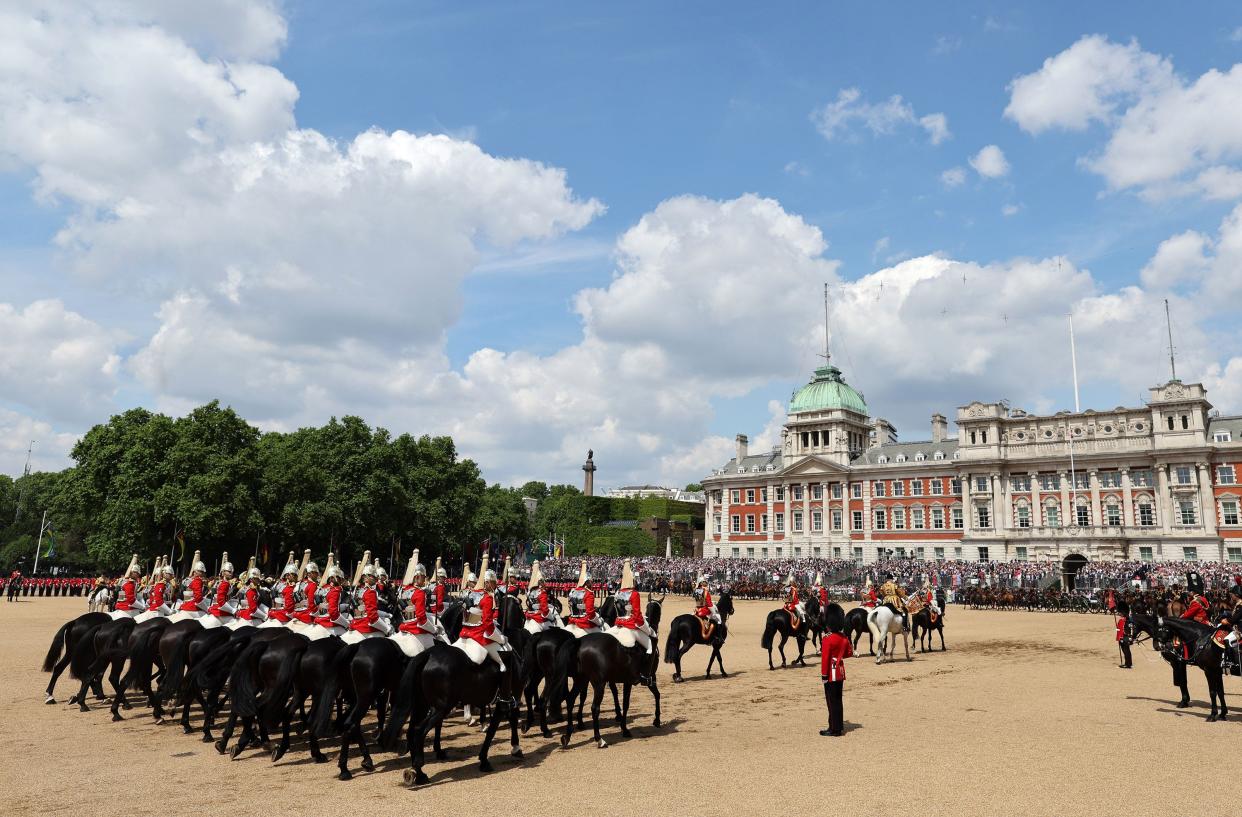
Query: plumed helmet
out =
(536, 576)
(334, 572)
(819, 579)
(702, 579)
(370, 570)
(226, 567)
(789, 580)
(198, 567)
(627, 576)
(441, 573)
(470, 577)
(489, 575)
(133, 568)
(166, 570)
(583, 575)
(254, 575)
(420, 570)
(289, 568)
(311, 567)
(381, 572)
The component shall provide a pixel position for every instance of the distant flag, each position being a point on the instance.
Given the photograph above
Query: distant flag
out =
(51, 542)
(181, 541)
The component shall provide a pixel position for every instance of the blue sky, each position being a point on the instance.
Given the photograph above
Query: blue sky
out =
(638, 105)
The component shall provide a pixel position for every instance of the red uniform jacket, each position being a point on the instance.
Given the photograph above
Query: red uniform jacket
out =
(252, 604)
(486, 626)
(196, 595)
(823, 597)
(437, 600)
(365, 623)
(541, 614)
(1198, 609)
(836, 648)
(587, 620)
(635, 619)
(1121, 627)
(333, 601)
(222, 598)
(157, 597)
(706, 610)
(285, 611)
(417, 624)
(307, 614)
(872, 598)
(127, 598)
(793, 598)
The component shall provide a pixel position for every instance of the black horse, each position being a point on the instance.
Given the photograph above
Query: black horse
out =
(856, 626)
(922, 626)
(1204, 654)
(779, 621)
(539, 663)
(1139, 625)
(686, 630)
(60, 653)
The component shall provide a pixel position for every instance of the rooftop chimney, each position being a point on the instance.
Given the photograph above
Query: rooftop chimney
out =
(741, 447)
(940, 428)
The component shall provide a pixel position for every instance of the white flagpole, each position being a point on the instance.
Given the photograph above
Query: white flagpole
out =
(1069, 434)
(39, 546)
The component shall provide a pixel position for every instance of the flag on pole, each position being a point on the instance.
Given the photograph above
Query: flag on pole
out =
(51, 542)
(181, 541)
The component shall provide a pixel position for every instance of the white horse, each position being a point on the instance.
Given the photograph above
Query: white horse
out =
(100, 601)
(883, 622)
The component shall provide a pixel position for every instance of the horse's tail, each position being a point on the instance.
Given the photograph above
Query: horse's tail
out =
(672, 644)
(272, 700)
(243, 680)
(83, 655)
(58, 646)
(769, 633)
(142, 658)
(560, 674)
(408, 699)
(321, 712)
(175, 671)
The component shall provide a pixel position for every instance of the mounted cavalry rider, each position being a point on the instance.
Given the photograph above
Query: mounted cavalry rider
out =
(330, 620)
(1230, 621)
(128, 603)
(582, 616)
(417, 632)
(870, 599)
(704, 607)
(630, 613)
(894, 596)
(193, 603)
(252, 611)
(222, 606)
(436, 592)
(538, 617)
(159, 595)
(368, 623)
(1199, 606)
(819, 590)
(478, 628)
(792, 605)
(284, 596)
(309, 596)
(929, 600)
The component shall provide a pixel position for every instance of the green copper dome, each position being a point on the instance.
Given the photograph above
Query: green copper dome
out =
(825, 392)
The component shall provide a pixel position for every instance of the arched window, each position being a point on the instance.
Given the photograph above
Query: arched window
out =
(939, 455)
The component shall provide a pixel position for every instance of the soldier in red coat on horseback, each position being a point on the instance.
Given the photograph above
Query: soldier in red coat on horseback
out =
(1199, 606)
(582, 617)
(630, 610)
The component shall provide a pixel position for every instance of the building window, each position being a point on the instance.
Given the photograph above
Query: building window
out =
(735, 523)
(937, 486)
(957, 487)
(1050, 482)
(1110, 479)
(797, 493)
(899, 487)
(880, 519)
(858, 557)
(780, 523)
(817, 521)
(1190, 554)
(750, 496)
(1145, 554)
(763, 494)
(1112, 515)
(1224, 475)
(856, 490)
(763, 552)
(983, 554)
(916, 487)
(1023, 516)
(974, 438)
(938, 518)
(1233, 554)
(938, 552)
(899, 518)
(1146, 514)
(797, 553)
(736, 553)
(1141, 478)
(1185, 422)
(1052, 515)
(750, 523)
(836, 519)
(780, 493)
(1020, 554)
(957, 523)
(1186, 512)
(717, 553)
(916, 518)
(779, 551)
(1020, 485)
(797, 521)
(1082, 481)
(985, 516)
(957, 553)
(817, 492)
(1222, 437)
(716, 520)
(877, 488)
(1183, 473)
(1082, 515)
(836, 490)
(857, 519)
(763, 522)
(836, 553)
(735, 496)
(981, 484)
(1229, 512)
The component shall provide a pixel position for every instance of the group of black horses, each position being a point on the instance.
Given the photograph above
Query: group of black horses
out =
(273, 680)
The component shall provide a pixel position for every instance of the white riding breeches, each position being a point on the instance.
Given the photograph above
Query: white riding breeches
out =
(578, 632)
(641, 637)
(534, 627)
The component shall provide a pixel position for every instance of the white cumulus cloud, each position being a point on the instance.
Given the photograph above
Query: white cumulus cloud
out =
(835, 119)
(990, 162)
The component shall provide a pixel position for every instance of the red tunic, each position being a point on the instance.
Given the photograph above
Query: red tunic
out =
(635, 619)
(1198, 609)
(823, 597)
(284, 613)
(127, 599)
(1121, 628)
(252, 605)
(437, 600)
(540, 615)
(417, 624)
(222, 598)
(157, 597)
(334, 608)
(365, 623)
(793, 598)
(705, 611)
(486, 626)
(835, 649)
(587, 619)
(307, 614)
(872, 598)
(196, 595)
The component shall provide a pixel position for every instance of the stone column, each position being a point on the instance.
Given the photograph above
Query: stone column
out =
(1127, 500)
(1067, 513)
(1093, 480)
(866, 509)
(726, 528)
(967, 522)
(1163, 499)
(1000, 503)
(772, 517)
(1037, 507)
(806, 511)
(1207, 500)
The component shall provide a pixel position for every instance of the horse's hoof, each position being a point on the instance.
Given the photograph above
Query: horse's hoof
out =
(49, 700)
(221, 746)
(564, 741)
(1211, 719)
(676, 679)
(345, 774)
(320, 758)
(724, 674)
(207, 738)
(278, 753)
(625, 733)
(73, 699)
(517, 753)
(546, 733)
(1183, 704)
(187, 729)
(485, 765)
(116, 716)
(368, 766)
(236, 751)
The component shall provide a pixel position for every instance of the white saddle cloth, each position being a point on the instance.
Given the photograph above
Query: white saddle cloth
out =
(412, 644)
(578, 632)
(211, 622)
(475, 651)
(272, 622)
(150, 614)
(184, 615)
(238, 623)
(117, 615)
(314, 632)
(354, 637)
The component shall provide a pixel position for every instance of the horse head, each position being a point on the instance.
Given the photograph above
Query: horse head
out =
(654, 610)
(724, 604)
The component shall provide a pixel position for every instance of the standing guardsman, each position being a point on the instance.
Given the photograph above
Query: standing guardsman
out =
(127, 601)
(538, 617)
(1123, 642)
(582, 617)
(833, 652)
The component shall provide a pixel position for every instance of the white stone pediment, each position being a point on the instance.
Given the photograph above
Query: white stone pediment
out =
(813, 465)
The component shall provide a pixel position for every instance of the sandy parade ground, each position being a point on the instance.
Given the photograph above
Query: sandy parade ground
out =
(1026, 713)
